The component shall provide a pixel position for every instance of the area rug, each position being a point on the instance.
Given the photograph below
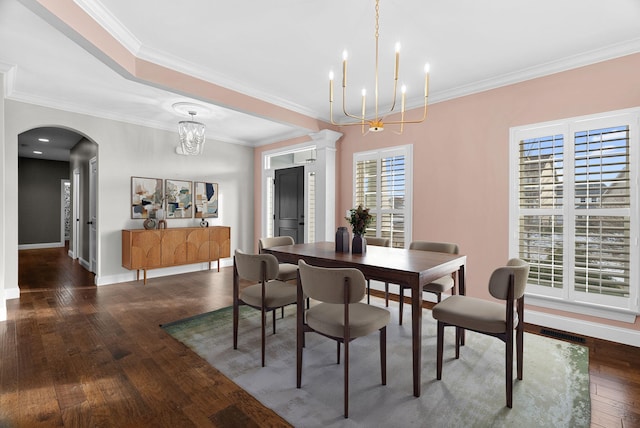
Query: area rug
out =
(553, 393)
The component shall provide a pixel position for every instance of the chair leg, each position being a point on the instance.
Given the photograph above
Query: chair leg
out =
(520, 350)
(509, 368)
(299, 347)
(346, 379)
(440, 349)
(338, 352)
(439, 296)
(458, 340)
(383, 354)
(274, 321)
(236, 311)
(386, 294)
(264, 315)
(401, 303)
(368, 292)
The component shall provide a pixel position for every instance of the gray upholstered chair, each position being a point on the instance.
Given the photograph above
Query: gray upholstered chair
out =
(493, 318)
(378, 242)
(266, 295)
(288, 271)
(440, 285)
(340, 315)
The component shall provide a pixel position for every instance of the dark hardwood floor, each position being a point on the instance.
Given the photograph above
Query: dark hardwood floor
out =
(75, 355)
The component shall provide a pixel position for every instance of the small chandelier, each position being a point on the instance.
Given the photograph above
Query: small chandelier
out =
(376, 124)
(191, 136)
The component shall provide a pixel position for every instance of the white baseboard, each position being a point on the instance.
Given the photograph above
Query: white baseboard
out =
(12, 293)
(85, 264)
(40, 246)
(157, 273)
(584, 328)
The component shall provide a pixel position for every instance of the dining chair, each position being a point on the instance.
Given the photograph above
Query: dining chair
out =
(379, 242)
(288, 271)
(340, 315)
(266, 295)
(439, 285)
(492, 318)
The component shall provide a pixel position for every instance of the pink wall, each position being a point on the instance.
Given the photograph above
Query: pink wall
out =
(461, 167)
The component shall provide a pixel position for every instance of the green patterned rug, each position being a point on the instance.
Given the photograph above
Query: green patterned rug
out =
(553, 393)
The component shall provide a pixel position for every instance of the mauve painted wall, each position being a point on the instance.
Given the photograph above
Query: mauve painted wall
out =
(461, 168)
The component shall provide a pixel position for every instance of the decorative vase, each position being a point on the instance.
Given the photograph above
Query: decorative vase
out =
(359, 244)
(204, 223)
(342, 240)
(149, 224)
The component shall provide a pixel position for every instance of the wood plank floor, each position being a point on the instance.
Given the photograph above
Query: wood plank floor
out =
(75, 355)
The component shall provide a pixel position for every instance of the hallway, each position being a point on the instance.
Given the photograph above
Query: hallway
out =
(50, 269)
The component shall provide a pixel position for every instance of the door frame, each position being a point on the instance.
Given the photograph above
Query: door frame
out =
(73, 252)
(93, 214)
(63, 221)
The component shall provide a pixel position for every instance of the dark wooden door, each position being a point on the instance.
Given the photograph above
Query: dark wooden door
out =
(289, 203)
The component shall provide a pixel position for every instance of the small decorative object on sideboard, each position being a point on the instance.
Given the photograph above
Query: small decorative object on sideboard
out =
(359, 219)
(149, 224)
(342, 240)
(204, 223)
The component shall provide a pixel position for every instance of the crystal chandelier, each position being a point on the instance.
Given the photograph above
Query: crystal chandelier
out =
(191, 136)
(376, 124)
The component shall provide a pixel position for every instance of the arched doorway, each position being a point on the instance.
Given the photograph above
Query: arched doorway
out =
(54, 233)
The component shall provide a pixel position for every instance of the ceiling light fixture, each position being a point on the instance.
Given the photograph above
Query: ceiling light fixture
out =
(191, 136)
(37, 152)
(43, 140)
(376, 124)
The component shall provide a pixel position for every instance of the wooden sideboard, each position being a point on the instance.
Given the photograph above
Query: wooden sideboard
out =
(150, 249)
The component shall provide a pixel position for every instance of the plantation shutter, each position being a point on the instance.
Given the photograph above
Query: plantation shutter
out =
(602, 207)
(540, 200)
(381, 186)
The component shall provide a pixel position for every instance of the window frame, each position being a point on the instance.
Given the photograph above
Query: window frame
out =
(567, 298)
(378, 155)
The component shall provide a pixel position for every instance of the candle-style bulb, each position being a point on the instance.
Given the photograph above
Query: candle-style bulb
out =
(331, 75)
(345, 55)
(426, 67)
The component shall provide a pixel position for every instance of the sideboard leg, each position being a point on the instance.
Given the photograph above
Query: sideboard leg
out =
(137, 274)
(145, 277)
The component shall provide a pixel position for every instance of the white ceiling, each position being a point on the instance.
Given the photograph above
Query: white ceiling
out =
(281, 51)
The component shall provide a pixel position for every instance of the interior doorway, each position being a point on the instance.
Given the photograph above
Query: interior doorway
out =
(57, 167)
(289, 219)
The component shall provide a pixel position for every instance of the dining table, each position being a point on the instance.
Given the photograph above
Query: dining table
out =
(412, 268)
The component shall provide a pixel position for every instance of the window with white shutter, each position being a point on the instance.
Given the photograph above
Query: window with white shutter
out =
(574, 210)
(382, 183)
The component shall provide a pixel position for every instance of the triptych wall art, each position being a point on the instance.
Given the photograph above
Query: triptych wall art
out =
(155, 198)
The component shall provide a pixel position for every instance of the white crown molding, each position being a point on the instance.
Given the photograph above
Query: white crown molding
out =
(111, 24)
(191, 69)
(96, 10)
(592, 57)
(9, 71)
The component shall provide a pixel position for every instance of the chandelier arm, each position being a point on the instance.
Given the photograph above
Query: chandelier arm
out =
(344, 106)
(400, 122)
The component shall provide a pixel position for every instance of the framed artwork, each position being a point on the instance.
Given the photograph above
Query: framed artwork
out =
(146, 197)
(179, 199)
(206, 199)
